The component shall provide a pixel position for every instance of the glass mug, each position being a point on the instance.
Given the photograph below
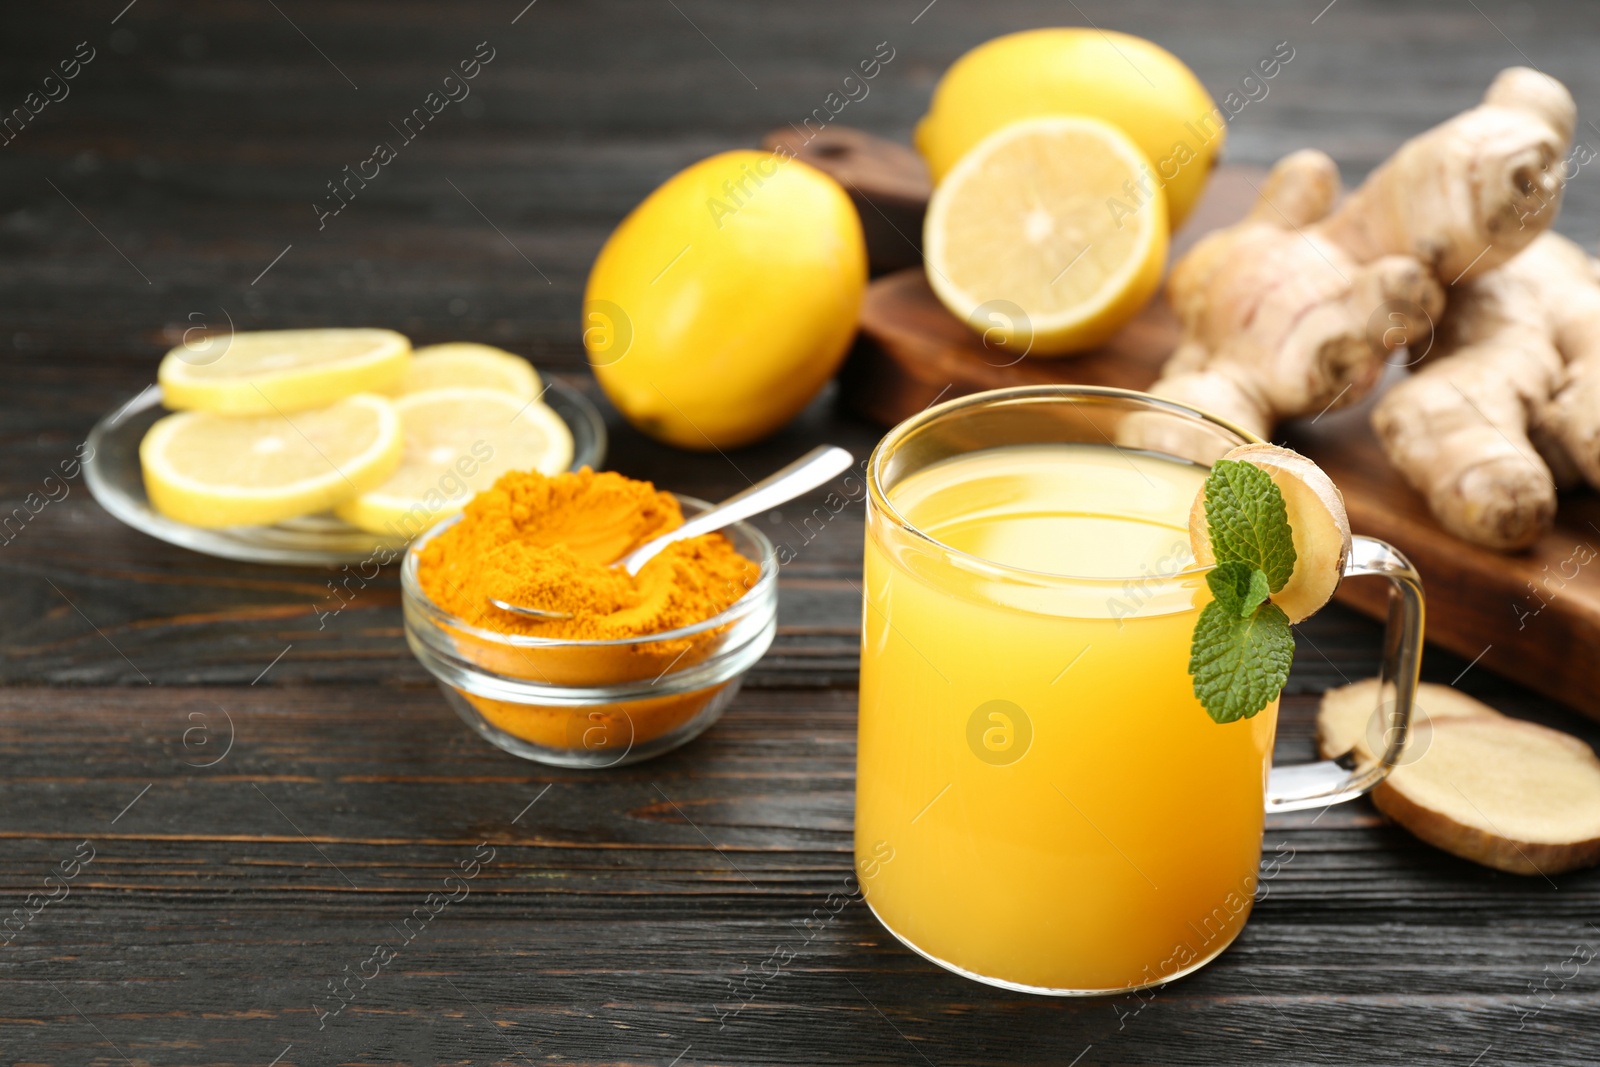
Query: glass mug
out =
(1041, 802)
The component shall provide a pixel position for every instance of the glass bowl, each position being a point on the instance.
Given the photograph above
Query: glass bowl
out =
(115, 480)
(594, 703)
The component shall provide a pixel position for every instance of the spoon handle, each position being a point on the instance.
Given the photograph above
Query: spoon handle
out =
(804, 474)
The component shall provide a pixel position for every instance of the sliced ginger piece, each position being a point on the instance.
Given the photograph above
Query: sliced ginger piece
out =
(1317, 522)
(1508, 794)
(1511, 795)
(1351, 718)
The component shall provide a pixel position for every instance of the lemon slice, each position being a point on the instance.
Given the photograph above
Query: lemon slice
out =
(1040, 238)
(457, 442)
(219, 470)
(281, 371)
(464, 363)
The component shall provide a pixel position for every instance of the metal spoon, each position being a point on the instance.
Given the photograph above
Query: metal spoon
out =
(804, 474)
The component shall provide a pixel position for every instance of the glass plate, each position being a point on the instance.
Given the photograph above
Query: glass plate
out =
(114, 479)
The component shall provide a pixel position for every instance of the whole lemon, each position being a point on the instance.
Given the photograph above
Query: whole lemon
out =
(1129, 82)
(726, 300)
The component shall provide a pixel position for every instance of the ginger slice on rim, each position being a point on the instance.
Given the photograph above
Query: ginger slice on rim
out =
(1317, 522)
(1499, 791)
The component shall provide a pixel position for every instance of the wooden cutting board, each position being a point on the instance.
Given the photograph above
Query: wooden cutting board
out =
(1534, 617)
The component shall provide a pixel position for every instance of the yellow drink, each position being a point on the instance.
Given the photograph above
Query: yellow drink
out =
(1058, 811)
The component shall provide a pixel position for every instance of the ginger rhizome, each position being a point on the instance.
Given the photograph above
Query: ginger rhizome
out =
(1498, 791)
(1505, 408)
(1276, 311)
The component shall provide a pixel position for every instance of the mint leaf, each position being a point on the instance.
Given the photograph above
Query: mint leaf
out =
(1239, 661)
(1247, 520)
(1256, 595)
(1242, 646)
(1238, 587)
(1230, 584)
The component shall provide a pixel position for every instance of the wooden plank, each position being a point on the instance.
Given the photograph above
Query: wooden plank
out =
(626, 915)
(387, 782)
(632, 985)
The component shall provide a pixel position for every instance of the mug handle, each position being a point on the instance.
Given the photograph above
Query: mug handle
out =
(1316, 785)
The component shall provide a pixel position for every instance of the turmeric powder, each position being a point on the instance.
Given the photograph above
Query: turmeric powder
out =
(549, 542)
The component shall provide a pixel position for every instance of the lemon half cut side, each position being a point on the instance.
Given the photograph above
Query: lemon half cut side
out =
(1043, 230)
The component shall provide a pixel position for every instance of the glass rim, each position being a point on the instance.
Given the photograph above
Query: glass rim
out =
(750, 600)
(897, 436)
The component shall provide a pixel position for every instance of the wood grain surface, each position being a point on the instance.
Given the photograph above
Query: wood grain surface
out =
(626, 914)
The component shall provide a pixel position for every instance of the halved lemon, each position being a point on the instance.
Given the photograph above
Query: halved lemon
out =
(1041, 237)
(221, 470)
(457, 442)
(466, 363)
(282, 371)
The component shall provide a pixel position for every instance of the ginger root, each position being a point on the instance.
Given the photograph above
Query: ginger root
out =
(1354, 718)
(1502, 792)
(1317, 521)
(1506, 407)
(1275, 309)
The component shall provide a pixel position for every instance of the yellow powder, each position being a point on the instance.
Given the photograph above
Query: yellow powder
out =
(547, 542)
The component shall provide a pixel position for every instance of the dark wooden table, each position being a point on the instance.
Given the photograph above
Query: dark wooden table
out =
(267, 798)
